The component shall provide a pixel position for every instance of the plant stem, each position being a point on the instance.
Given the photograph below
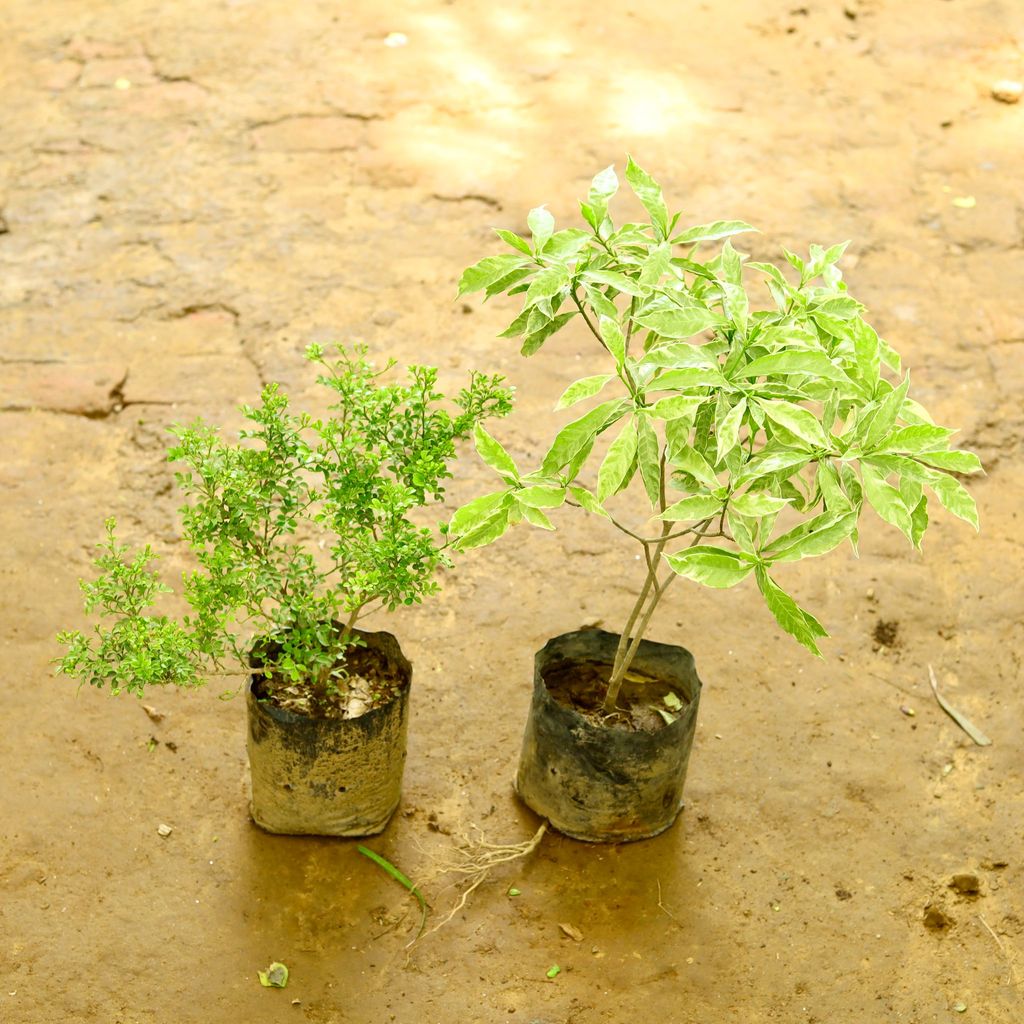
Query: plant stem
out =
(621, 665)
(628, 644)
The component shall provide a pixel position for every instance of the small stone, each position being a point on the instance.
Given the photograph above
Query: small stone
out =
(1006, 90)
(572, 931)
(164, 831)
(959, 1007)
(966, 884)
(154, 715)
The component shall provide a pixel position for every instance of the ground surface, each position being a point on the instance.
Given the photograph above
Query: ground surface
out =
(192, 192)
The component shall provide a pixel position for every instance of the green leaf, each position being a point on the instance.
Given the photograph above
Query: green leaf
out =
(800, 624)
(487, 271)
(678, 322)
(602, 188)
(885, 499)
(475, 512)
(711, 232)
(954, 461)
(757, 503)
(727, 429)
(693, 508)
(532, 342)
(564, 244)
(921, 437)
(919, 522)
(688, 460)
(588, 501)
(580, 434)
(656, 266)
(535, 517)
(648, 452)
(613, 338)
(547, 283)
(681, 356)
(813, 364)
(868, 352)
(511, 238)
(490, 529)
(714, 567)
(610, 277)
(275, 976)
(505, 283)
(799, 422)
(732, 265)
(955, 498)
(648, 191)
(769, 463)
(614, 472)
(688, 377)
(542, 225)
(838, 308)
(881, 420)
(518, 326)
(600, 302)
(540, 496)
(582, 389)
(828, 483)
(494, 454)
(676, 405)
(402, 880)
(818, 536)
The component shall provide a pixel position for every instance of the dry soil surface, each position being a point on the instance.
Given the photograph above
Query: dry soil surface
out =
(190, 193)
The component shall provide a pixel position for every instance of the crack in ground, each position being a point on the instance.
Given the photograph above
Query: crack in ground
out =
(272, 122)
(203, 307)
(474, 197)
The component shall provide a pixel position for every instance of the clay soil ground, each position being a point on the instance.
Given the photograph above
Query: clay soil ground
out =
(193, 191)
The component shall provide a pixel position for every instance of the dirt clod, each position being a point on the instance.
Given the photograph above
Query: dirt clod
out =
(966, 884)
(936, 919)
(886, 633)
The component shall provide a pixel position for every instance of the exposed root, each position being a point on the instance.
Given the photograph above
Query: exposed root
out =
(475, 858)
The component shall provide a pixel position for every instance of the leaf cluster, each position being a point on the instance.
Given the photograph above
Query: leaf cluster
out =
(298, 527)
(765, 418)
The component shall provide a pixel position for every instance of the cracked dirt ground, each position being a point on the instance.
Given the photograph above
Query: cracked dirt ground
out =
(192, 192)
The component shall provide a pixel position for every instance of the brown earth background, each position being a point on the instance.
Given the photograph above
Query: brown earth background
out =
(191, 192)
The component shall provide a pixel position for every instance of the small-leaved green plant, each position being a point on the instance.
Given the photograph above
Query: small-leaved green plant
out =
(762, 430)
(299, 528)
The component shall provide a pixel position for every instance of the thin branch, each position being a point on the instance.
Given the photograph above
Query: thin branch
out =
(586, 319)
(1011, 976)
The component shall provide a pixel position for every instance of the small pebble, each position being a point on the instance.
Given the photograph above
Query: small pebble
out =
(164, 831)
(1006, 90)
(960, 1007)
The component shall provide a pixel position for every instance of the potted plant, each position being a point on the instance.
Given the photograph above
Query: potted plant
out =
(299, 528)
(746, 437)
